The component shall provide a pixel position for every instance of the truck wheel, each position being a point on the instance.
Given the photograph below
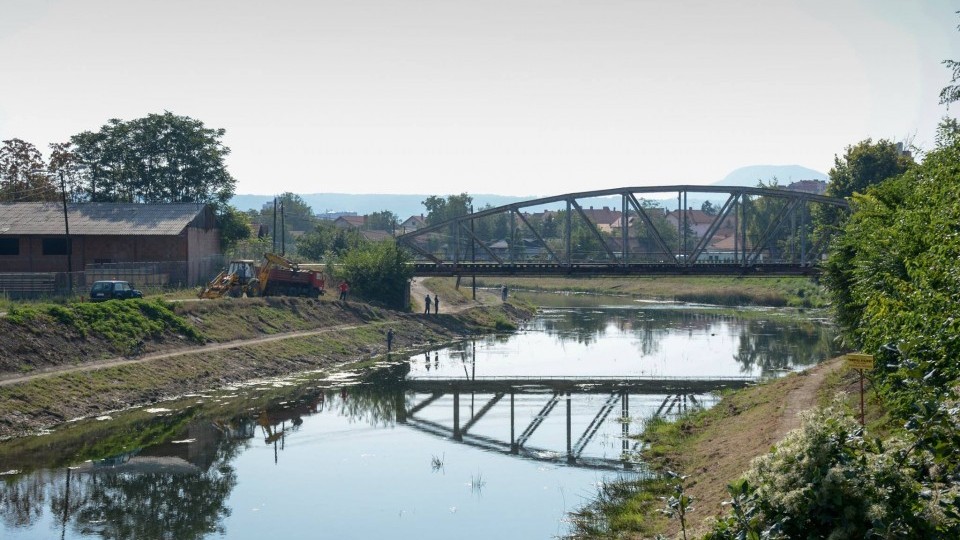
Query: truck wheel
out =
(235, 292)
(253, 288)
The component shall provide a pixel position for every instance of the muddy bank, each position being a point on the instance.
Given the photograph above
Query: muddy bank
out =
(80, 376)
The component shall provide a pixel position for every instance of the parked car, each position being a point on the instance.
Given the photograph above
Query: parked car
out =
(108, 290)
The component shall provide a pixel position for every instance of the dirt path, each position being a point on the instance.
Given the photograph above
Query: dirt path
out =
(121, 361)
(753, 421)
(418, 290)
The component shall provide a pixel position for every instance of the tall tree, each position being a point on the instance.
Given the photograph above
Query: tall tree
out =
(863, 165)
(158, 158)
(385, 220)
(440, 209)
(23, 174)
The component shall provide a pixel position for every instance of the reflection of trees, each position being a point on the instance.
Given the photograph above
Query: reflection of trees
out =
(22, 499)
(769, 346)
(765, 344)
(158, 504)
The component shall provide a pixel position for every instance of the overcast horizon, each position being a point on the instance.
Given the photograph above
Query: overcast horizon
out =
(524, 98)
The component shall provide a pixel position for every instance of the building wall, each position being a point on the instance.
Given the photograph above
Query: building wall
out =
(193, 245)
(202, 246)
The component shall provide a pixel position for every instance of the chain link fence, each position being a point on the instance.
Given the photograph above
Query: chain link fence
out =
(150, 277)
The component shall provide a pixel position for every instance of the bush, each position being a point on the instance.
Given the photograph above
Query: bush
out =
(377, 272)
(825, 480)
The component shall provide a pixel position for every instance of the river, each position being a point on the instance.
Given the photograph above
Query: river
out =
(498, 437)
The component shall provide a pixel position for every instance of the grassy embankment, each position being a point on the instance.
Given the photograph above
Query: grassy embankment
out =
(713, 448)
(53, 337)
(796, 292)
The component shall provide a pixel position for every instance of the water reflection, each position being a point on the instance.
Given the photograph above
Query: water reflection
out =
(569, 389)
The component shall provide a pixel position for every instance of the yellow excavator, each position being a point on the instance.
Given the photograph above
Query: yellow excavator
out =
(277, 276)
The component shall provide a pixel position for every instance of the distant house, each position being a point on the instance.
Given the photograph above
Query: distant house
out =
(816, 187)
(604, 218)
(376, 235)
(350, 222)
(698, 221)
(32, 237)
(413, 223)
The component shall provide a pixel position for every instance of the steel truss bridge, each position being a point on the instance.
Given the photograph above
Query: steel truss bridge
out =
(761, 231)
(664, 396)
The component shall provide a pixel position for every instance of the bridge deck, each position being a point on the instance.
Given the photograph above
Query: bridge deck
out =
(610, 269)
(590, 385)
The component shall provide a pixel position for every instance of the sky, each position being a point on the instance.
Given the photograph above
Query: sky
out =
(511, 97)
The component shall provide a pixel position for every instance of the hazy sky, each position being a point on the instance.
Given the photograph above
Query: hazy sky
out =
(516, 97)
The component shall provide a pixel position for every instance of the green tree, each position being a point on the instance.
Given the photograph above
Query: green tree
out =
(234, 227)
(377, 272)
(862, 165)
(293, 218)
(440, 209)
(23, 174)
(160, 158)
(951, 92)
(385, 220)
(327, 240)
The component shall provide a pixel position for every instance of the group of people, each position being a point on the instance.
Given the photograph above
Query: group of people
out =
(436, 304)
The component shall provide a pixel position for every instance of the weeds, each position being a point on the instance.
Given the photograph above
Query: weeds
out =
(436, 463)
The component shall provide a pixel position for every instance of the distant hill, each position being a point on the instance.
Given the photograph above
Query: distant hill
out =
(403, 206)
(785, 174)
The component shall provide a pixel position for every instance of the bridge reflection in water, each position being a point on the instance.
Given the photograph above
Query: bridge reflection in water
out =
(443, 397)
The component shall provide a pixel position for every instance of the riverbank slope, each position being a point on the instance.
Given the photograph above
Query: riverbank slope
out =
(65, 362)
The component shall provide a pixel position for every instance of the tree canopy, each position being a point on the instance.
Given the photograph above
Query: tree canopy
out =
(23, 174)
(161, 158)
(440, 209)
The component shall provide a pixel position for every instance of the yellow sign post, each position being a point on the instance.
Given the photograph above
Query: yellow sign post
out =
(860, 362)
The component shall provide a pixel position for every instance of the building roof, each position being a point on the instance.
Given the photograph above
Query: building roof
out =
(103, 218)
(376, 235)
(351, 221)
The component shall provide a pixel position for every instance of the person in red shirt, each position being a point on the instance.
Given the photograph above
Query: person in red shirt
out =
(344, 288)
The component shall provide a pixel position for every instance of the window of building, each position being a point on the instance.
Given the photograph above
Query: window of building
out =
(9, 246)
(54, 246)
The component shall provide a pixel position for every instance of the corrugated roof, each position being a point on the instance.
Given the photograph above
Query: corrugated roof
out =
(98, 218)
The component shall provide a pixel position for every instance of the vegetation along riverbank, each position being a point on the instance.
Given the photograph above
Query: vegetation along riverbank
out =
(66, 361)
(893, 276)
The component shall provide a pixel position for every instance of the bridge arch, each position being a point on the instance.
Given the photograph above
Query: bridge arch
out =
(637, 230)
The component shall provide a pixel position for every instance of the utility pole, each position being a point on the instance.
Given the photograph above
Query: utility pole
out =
(66, 229)
(274, 250)
(473, 254)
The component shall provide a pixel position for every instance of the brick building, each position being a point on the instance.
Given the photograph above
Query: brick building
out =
(32, 236)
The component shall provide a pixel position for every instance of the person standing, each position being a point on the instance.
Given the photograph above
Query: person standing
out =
(389, 339)
(344, 288)
(426, 307)
(436, 304)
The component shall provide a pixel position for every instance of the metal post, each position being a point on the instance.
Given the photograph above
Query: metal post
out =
(568, 232)
(66, 229)
(862, 417)
(473, 255)
(569, 440)
(456, 416)
(624, 226)
(513, 438)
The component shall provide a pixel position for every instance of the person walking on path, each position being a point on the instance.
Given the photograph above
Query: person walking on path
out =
(426, 307)
(436, 304)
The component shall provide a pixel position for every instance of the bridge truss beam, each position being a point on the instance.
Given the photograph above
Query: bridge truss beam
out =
(754, 230)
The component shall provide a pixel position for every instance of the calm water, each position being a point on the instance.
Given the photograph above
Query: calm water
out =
(470, 441)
